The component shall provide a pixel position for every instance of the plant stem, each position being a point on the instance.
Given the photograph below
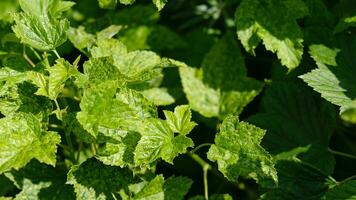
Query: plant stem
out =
(205, 175)
(36, 54)
(56, 53)
(79, 149)
(200, 146)
(206, 167)
(93, 148)
(347, 179)
(341, 154)
(27, 58)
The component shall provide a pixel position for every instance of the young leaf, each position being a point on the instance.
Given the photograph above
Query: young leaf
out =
(58, 75)
(180, 120)
(238, 152)
(273, 22)
(160, 3)
(24, 139)
(158, 141)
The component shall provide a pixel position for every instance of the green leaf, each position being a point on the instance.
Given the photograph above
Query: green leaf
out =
(297, 181)
(122, 110)
(175, 188)
(101, 69)
(220, 87)
(158, 141)
(40, 181)
(94, 180)
(109, 4)
(21, 98)
(120, 150)
(80, 38)
(291, 122)
(159, 96)
(238, 152)
(152, 190)
(127, 2)
(180, 120)
(349, 20)
(155, 37)
(345, 191)
(6, 8)
(38, 25)
(24, 139)
(333, 78)
(58, 75)
(160, 3)
(108, 47)
(148, 189)
(136, 64)
(273, 22)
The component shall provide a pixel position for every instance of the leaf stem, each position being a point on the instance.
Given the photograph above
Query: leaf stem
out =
(342, 154)
(58, 109)
(200, 146)
(36, 54)
(206, 167)
(56, 53)
(27, 58)
(80, 145)
(93, 148)
(347, 179)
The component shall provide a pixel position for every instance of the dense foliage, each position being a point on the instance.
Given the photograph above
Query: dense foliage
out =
(178, 99)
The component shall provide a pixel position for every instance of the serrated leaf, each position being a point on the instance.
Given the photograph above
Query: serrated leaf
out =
(153, 190)
(99, 70)
(333, 78)
(94, 180)
(158, 141)
(58, 75)
(180, 119)
(120, 152)
(220, 87)
(290, 121)
(160, 3)
(273, 22)
(21, 98)
(24, 139)
(122, 110)
(38, 27)
(342, 191)
(238, 152)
